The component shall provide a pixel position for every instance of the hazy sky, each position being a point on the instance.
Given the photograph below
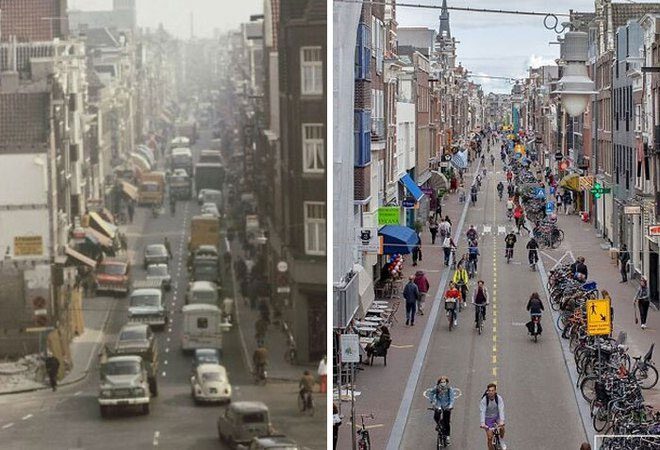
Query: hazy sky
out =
(175, 14)
(497, 44)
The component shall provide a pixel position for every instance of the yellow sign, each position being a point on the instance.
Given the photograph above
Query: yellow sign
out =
(28, 246)
(599, 319)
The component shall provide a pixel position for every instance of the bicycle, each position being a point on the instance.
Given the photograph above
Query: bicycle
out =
(364, 442)
(533, 259)
(497, 441)
(509, 254)
(441, 439)
(481, 317)
(471, 268)
(305, 402)
(450, 307)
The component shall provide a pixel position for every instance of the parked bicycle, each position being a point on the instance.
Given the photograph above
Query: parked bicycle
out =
(363, 439)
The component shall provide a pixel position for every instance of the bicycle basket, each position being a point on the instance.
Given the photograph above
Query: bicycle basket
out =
(449, 306)
(590, 286)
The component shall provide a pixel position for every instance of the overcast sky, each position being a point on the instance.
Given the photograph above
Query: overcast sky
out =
(497, 44)
(175, 14)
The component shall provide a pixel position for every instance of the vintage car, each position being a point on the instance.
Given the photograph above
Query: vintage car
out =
(113, 276)
(274, 442)
(160, 273)
(155, 254)
(243, 421)
(209, 384)
(147, 306)
(206, 356)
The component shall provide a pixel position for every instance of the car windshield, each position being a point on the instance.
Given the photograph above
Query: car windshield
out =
(132, 335)
(145, 300)
(156, 250)
(112, 269)
(208, 358)
(150, 187)
(211, 376)
(204, 295)
(121, 368)
(255, 417)
(206, 269)
(157, 271)
(181, 159)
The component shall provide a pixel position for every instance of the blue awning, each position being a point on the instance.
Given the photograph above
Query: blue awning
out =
(398, 239)
(414, 190)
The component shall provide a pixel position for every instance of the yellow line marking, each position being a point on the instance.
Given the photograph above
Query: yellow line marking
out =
(494, 359)
(494, 329)
(494, 338)
(494, 311)
(494, 321)
(494, 348)
(494, 371)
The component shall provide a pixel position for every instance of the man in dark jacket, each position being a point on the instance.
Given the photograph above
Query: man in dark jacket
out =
(52, 367)
(579, 269)
(535, 307)
(411, 295)
(624, 257)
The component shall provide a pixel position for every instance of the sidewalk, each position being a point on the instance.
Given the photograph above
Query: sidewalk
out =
(581, 240)
(381, 388)
(276, 342)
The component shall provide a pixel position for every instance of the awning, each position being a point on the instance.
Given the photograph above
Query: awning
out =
(165, 118)
(398, 239)
(460, 160)
(141, 162)
(106, 215)
(414, 190)
(129, 190)
(104, 227)
(101, 238)
(571, 181)
(79, 257)
(438, 180)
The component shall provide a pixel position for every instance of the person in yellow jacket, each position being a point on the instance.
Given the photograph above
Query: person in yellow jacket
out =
(460, 279)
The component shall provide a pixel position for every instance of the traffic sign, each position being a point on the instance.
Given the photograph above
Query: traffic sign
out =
(549, 208)
(599, 319)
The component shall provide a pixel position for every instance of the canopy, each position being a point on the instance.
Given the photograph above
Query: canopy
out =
(145, 152)
(438, 180)
(398, 239)
(79, 257)
(104, 227)
(141, 162)
(100, 238)
(571, 181)
(410, 185)
(460, 160)
(129, 190)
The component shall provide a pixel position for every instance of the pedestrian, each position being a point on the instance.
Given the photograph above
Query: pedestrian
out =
(423, 285)
(624, 258)
(558, 200)
(438, 208)
(447, 245)
(166, 243)
(642, 300)
(448, 220)
(323, 375)
(260, 329)
(131, 211)
(579, 269)
(336, 423)
(568, 200)
(411, 295)
(52, 368)
(415, 253)
(433, 228)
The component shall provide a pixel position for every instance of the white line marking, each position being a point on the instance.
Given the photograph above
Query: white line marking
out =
(167, 350)
(26, 417)
(164, 373)
(168, 339)
(156, 436)
(9, 425)
(77, 393)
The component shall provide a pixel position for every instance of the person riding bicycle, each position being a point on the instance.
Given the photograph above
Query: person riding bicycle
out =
(500, 189)
(166, 243)
(483, 159)
(460, 279)
(442, 396)
(473, 254)
(453, 295)
(510, 190)
(473, 193)
(509, 176)
(471, 233)
(260, 360)
(492, 160)
(491, 413)
(172, 204)
(510, 241)
(480, 299)
(306, 386)
(535, 308)
(532, 251)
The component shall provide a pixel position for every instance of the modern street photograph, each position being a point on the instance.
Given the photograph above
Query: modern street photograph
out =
(163, 278)
(496, 222)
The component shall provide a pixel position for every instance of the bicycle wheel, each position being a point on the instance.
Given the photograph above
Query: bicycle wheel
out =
(365, 441)
(588, 388)
(647, 377)
(600, 416)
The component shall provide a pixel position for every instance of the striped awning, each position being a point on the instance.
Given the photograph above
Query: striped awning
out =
(101, 238)
(460, 160)
(79, 257)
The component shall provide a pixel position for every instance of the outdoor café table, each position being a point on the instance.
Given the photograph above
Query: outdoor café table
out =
(365, 330)
(375, 311)
(374, 319)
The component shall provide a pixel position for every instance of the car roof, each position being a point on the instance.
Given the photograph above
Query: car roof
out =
(200, 307)
(134, 326)
(212, 191)
(207, 248)
(211, 367)
(207, 351)
(160, 246)
(158, 265)
(203, 286)
(146, 291)
(247, 407)
(131, 358)
(181, 151)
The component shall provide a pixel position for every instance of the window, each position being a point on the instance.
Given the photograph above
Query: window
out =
(363, 53)
(377, 113)
(378, 42)
(315, 228)
(313, 148)
(202, 323)
(362, 134)
(311, 71)
(638, 117)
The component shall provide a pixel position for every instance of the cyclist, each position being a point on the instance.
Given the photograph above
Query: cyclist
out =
(532, 251)
(500, 189)
(492, 160)
(306, 387)
(471, 233)
(166, 243)
(460, 279)
(509, 176)
(510, 190)
(480, 300)
(442, 396)
(483, 158)
(491, 412)
(260, 360)
(510, 241)
(509, 208)
(535, 308)
(473, 257)
(473, 194)
(453, 294)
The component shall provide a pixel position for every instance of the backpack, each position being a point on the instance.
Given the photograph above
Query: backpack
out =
(497, 399)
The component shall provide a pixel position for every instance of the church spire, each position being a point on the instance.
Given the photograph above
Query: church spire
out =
(444, 22)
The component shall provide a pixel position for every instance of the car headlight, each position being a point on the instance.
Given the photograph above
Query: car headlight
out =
(106, 393)
(138, 391)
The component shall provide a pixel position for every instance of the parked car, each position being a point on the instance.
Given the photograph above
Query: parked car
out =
(160, 272)
(113, 276)
(274, 442)
(210, 209)
(155, 254)
(205, 356)
(243, 421)
(210, 384)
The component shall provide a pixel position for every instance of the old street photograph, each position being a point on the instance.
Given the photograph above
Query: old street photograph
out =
(163, 274)
(496, 214)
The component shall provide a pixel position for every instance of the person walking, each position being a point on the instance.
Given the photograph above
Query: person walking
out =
(423, 286)
(52, 368)
(642, 300)
(336, 423)
(438, 208)
(416, 252)
(567, 200)
(131, 211)
(624, 258)
(411, 295)
(447, 246)
(433, 228)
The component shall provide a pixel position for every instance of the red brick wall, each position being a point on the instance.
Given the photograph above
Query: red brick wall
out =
(25, 19)
(23, 118)
(362, 182)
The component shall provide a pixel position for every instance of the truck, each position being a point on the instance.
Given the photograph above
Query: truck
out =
(147, 304)
(210, 156)
(180, 185)
(209, 176)
(151, 190)
(181, 158)
(204, 230)
(202, 327)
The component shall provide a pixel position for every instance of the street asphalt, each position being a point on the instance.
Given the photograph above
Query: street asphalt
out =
(69, 418)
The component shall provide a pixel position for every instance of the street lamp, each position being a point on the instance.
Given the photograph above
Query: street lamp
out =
(575, 86)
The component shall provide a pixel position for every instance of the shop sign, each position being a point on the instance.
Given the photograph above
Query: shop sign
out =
(368, 239)
(632, 209)
(28, 246)
(408, 202)
(388, 215)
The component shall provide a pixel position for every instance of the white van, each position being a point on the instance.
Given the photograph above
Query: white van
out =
(202, 327)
